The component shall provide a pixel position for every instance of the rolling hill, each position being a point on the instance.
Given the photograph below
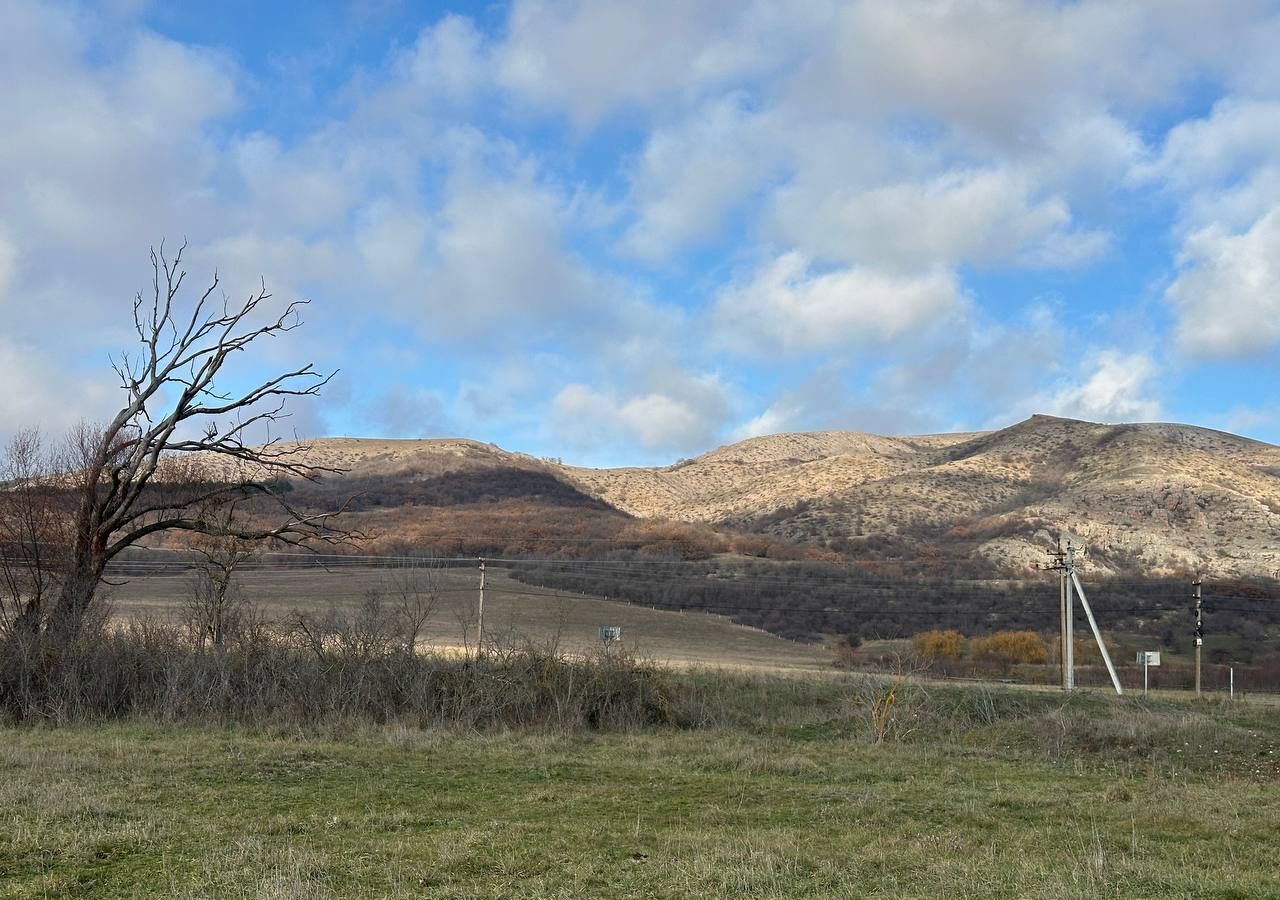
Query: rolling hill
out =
(1148, 498)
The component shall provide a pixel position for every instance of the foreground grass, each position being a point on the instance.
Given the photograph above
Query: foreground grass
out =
(1102, 799)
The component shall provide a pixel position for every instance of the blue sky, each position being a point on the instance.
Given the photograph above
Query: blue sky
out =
(623, 233)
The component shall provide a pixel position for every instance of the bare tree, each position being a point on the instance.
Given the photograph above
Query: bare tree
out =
(33, 533)
(181, 445)
(414, 598)
(217, 606)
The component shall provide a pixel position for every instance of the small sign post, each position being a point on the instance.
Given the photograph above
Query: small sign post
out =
(1147, 658)
(610, 634)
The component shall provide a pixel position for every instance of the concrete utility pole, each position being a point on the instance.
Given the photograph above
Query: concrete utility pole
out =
(480, 614)
(1062, 623)
(1069, 634)
(1066, 562)
(1199, 631)
(1063, 561)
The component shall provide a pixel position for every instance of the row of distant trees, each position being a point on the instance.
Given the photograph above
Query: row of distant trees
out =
(1011, 647)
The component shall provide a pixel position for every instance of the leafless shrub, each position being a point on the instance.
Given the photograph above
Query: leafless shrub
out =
(216, 609)
(414, 597)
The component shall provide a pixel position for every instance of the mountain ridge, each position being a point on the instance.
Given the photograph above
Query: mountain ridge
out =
(1156, 498)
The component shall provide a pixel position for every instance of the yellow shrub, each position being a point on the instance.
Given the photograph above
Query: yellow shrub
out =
(938, 644)
(1086, 651)
(1011, 647)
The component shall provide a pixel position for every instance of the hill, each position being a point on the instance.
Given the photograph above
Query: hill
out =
(1155, 498)
(1151, 498)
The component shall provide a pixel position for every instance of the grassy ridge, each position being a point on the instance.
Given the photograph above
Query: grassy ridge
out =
(766, 788)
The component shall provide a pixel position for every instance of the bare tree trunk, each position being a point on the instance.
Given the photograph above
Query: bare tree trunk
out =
(73, 603)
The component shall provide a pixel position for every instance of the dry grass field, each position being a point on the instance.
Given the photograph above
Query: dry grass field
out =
(514, 613)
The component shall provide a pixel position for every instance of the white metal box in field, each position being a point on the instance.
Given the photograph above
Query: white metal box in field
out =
(610, 634)
(1148, 657)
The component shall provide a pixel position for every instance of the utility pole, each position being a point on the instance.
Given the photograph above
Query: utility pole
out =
(1063, 562)
(480, 615)
(1069, 634)
(1066, 561)
(1199, 631)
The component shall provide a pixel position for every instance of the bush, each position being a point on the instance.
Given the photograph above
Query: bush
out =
(1011, 647)
(938, 644)
(156, 674)
(1086, 653)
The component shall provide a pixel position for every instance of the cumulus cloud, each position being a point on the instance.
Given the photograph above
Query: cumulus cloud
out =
(36, 391)
(592, 58)
(691, 175)
(949, 379)
(407, 412)
(1113, 386)
(982, 216)
(679, 413)
(448, 61)
(470, 191)
(101, 157)
(1224, 168)
(779, 418)
(1227, 295)
(1224, 171)
(789, 307)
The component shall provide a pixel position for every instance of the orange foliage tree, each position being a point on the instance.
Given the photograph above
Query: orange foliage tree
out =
(1011, 647)
(938, 644)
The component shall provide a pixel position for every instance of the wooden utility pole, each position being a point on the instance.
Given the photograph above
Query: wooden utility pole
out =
(1199, 631)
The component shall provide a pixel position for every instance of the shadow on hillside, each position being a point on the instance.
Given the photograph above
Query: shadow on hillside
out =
(452, 489)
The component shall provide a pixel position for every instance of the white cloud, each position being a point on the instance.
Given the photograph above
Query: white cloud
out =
(305, 189)
(448, 61)
(101, 157)
(35, 391)
(1113, 387)
(778, 418)
(983, 216)
(690, 176)
(498, 257)
(405, 411)
(591, 58)
(1227, 296)
(789, 308)
(680, 413)
(8, 266)
(1224, 168)
(1004, 74)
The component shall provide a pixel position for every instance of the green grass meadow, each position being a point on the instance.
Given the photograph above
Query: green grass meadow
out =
(1030, 797)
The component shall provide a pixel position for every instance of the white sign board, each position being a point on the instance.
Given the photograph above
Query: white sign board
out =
(1148, 657)
(610, 634)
